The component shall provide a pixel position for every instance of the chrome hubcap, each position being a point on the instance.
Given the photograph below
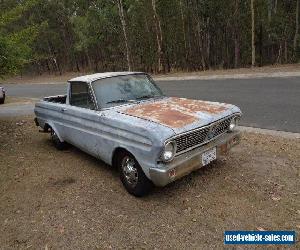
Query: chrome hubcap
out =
(130, 171)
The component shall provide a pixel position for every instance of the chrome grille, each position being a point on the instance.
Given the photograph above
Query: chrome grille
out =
(189, 140)
(221, 127)
(201, 136)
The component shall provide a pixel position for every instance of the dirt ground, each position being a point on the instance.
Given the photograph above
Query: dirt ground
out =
(56, 78)
(53, 199)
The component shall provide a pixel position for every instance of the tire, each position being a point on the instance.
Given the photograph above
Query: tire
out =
(56, 141)
(2, 100)
(132, 175)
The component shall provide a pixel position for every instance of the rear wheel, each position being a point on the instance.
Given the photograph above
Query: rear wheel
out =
(132, 175)
(56, 141)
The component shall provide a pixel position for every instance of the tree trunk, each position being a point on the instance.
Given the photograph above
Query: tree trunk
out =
(184, 34)
(88, 59)
(199, 35)
(159, 38)
(279, 53)
(200, 42)
(146, 59)
(297, 28)
(57, 66)
(77, 66)
(53, 58)
(285, 51)
(124, 27)
(260, 44)
(270, 9)
(208, 44)
(275, 7)
(236, 52)
(237, 36)
(227, 60)
(253, 33)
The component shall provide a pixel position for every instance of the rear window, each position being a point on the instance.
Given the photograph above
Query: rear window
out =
(81, 96)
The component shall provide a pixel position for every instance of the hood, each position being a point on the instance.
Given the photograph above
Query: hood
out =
(180, 114)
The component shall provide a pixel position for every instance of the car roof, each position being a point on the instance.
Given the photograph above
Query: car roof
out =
(93, 77)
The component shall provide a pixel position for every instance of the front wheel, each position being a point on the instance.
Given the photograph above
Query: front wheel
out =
(132, 175)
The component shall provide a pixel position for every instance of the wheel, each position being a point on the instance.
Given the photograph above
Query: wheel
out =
(132, 175)
(3, 99)
(56, 141)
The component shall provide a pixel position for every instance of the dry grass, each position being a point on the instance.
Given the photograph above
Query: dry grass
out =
(67, 199)
(10, 100)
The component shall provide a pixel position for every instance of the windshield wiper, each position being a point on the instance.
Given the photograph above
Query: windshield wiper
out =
(145, 97)
(119, 101)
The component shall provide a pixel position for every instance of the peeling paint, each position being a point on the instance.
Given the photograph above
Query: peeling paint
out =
(174, 112)
(197, 106)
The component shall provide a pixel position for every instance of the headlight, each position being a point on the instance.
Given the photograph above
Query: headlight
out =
(233, 123)
(169, 151)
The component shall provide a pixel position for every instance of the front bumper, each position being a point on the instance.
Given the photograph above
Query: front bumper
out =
(184, 164)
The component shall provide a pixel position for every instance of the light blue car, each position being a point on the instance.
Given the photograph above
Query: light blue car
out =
(124, 119)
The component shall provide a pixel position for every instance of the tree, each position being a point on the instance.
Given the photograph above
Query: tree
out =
(236, 35)
(124, 27)
(56, 36)
(252, 33)
(16, 41)
(296, 27)
(159, 36)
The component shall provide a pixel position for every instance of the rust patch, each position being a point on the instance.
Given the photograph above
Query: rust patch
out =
(198, 106)
(174, 112)
(162, 113)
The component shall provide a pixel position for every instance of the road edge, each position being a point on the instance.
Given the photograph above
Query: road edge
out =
(228, 76)
(283, 134)
(187, 77)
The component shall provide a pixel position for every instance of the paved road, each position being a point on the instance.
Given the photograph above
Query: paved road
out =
(272, 103)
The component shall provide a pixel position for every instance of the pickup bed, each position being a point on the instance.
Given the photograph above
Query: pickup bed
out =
(124, 119)
(56, 99)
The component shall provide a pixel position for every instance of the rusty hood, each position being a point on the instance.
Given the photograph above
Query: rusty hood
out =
(180, 114)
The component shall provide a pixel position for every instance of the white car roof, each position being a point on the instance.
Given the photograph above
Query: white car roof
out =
(93, 77)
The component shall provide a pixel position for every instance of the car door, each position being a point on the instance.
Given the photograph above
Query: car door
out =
(80, 119)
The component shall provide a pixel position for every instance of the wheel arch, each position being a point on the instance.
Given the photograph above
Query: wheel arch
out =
(50, 125)
(117, 151)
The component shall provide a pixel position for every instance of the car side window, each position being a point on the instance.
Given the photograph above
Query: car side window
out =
(81, 96)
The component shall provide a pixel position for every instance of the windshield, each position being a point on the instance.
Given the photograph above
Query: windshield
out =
(124, 89)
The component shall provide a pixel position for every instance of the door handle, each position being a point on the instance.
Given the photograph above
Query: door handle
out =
(63, 109)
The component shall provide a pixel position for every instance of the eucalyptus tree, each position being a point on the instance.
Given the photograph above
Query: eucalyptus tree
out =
(56, 36)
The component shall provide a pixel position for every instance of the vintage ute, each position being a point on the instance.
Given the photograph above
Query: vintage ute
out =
(124, 119)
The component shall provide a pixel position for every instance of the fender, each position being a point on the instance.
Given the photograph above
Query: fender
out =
(52, 126)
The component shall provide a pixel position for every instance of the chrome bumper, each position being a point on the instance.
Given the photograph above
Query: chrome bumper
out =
(184, 164)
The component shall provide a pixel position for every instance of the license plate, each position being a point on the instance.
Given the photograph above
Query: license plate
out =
(209, 156)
